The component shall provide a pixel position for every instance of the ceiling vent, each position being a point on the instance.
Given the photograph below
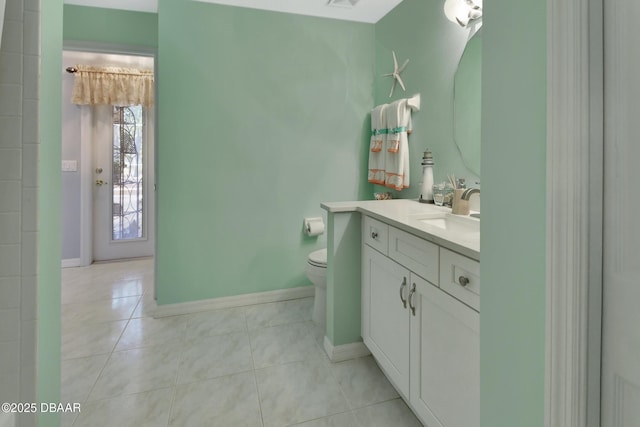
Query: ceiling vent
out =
(343, 3)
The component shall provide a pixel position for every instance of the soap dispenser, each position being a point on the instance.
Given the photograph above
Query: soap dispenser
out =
(426, 195)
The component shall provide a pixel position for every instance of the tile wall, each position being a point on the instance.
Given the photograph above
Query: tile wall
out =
(19, 143)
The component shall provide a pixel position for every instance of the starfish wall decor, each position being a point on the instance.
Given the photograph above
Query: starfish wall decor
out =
(396, 74)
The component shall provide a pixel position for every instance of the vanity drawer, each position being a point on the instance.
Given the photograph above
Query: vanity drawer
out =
(415, 253)
(460, 277)
(375, 234)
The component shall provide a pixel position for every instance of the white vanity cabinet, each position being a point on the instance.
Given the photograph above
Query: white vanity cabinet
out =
(385, 323)
(445, 359)
(424, 337)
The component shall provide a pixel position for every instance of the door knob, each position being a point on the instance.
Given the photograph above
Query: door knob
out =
(98, 170)
(100, 182)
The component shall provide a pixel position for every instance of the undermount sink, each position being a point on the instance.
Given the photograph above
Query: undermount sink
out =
(458, 224)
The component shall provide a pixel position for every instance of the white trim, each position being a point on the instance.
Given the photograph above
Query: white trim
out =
(344, 352)
(71, 262)
(86, 186)
(165, 310)
(596, 209)
(3, 4)
(568, 212)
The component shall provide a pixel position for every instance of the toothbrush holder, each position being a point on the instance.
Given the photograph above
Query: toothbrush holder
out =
(460, 206)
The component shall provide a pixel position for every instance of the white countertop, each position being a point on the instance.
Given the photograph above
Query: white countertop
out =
(403, 214)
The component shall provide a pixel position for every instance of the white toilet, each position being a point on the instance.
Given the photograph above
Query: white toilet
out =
(317, 272)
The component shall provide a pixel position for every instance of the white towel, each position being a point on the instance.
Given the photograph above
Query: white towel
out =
(377, 155)
(398, 121)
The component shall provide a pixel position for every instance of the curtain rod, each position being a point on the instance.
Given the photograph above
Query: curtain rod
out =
(134, 72)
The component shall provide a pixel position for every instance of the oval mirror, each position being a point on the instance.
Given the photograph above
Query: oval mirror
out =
(467, 104)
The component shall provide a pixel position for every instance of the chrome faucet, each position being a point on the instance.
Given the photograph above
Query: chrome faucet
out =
(468, 192)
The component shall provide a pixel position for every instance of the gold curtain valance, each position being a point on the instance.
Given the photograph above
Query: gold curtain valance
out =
(112, 86)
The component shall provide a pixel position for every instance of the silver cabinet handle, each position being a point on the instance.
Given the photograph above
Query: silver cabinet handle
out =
(402, 286)
(463, 281)
(374, 235)
(410, 298)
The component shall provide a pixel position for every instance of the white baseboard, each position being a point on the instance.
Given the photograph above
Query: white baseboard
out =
(71, 262)
(165, 310)
(343, 352)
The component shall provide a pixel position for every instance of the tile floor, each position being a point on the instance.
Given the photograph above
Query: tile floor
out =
(259, 365)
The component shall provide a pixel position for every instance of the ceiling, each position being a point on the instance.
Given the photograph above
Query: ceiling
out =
(363, 10)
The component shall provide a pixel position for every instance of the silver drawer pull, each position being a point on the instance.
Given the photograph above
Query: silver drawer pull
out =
(410, 298)
(374, 235)
(463, 281)
(402, 286)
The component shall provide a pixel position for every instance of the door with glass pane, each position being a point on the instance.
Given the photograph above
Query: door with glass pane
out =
(123, 202)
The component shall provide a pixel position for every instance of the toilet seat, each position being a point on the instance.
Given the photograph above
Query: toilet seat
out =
(318, 258)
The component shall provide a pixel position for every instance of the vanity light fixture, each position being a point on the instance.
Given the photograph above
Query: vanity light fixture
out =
(464, 12)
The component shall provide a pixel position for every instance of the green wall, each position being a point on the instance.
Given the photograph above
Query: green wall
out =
(110, 26)
(418, 30)
(513, 178)
(513, 227)
(262, 116)
(49, 182)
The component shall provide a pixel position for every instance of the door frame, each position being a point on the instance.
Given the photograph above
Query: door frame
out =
(86, 158)
(574, 212)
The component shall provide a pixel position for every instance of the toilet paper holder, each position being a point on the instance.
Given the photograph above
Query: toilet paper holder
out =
(313, 226)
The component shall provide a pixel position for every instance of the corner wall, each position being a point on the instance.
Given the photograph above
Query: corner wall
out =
(262, 116)
(419, 31)
(513, 227)
(49, 125)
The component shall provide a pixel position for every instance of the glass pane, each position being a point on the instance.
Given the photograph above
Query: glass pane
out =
(127, 178)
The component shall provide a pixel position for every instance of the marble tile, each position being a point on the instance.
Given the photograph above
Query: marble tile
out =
(282, 344)
(392, 413)
(68, 418)
(217, 322)
(318, 333)
(298, 392)
(99, 311)
(279, 313)
(212, 357)
(148, 332)
(91, 339)
(346, 419)
(148, 409)
(226, 401)
(145, 308)
(100, 274)
(77, 291)
(363, 382)
(138, 370)
(78, 377)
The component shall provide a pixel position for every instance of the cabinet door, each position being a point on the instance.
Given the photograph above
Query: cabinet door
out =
(385, 320)
(445, 358)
